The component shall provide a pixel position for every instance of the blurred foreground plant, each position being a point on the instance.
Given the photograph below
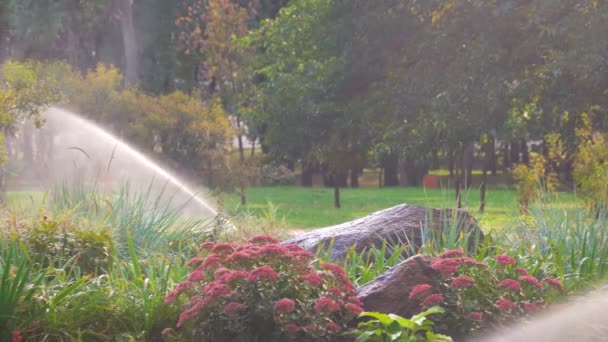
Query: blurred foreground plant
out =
(389, 327)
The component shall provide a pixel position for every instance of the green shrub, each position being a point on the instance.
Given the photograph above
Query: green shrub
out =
(389, 327)
(263, 291)
(591, 166)
(51, 241)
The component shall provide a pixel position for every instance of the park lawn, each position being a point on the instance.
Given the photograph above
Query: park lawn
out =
(306, 208)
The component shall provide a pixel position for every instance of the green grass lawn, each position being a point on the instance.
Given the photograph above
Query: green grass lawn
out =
(313, 207)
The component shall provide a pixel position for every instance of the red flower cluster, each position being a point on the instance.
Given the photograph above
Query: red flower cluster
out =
(16, 336)
(532, 281)
(510, 284)
(531, 307)
(433, 299)
(284, 306)
(337, 271)
(232, 277)
(234, 309)
(451, 254)
(173, 294)
(333, 327)
(264, 272)
(312, 279)
(476, 316)
(505, 304)
(462, 281)
(461, 278)
(554, 282)
(292, 328)
(504, 259)
(195, 276)
(327, 305)
(222, 248)
(420, 290)
(522, 271)
(354, 309)
(446, 266)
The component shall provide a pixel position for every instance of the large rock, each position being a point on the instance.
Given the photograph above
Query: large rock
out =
(389, 292)
(403, 224)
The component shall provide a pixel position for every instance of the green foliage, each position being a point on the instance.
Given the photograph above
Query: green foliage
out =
(390, 327)
(529, 180)
(150, 221)
(18, 285)
(365, 266)
(591, 166)
(58, 242)
(54, 297)
(176, 127)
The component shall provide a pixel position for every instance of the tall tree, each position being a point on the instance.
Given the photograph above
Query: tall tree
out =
(124, 10)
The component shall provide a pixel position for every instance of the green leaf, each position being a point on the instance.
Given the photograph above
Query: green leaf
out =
(365, 336)
(384, 319)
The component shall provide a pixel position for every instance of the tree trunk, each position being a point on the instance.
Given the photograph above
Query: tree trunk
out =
(243, 193)
(127, 29)
(390, 165)
(354, 177)
(336, 196)
(380, 179)
(451, 163)
(328, 179)
(458, 172)
(483, 190)
(241, 148)
(209, 173)
(506, 161)
(28, 153)
(306, 176)
(252, 149)
(413, 174)
(72, 48)
(515, 153)
(492, 158)
(525, 154)
(468, 159)
(342, 179)
(484, 180)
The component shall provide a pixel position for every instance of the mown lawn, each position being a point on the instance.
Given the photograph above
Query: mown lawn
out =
(313, 207)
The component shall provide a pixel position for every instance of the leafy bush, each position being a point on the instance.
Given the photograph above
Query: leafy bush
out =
(530, 179)
(389, 327)
(53, 241)
(480, 295)
(18, 284)
(591, 166)
(263, 291)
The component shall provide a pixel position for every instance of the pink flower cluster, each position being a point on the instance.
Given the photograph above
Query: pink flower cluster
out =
(510, 284)
(421, 292)
(229, 278)
(461, 280)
